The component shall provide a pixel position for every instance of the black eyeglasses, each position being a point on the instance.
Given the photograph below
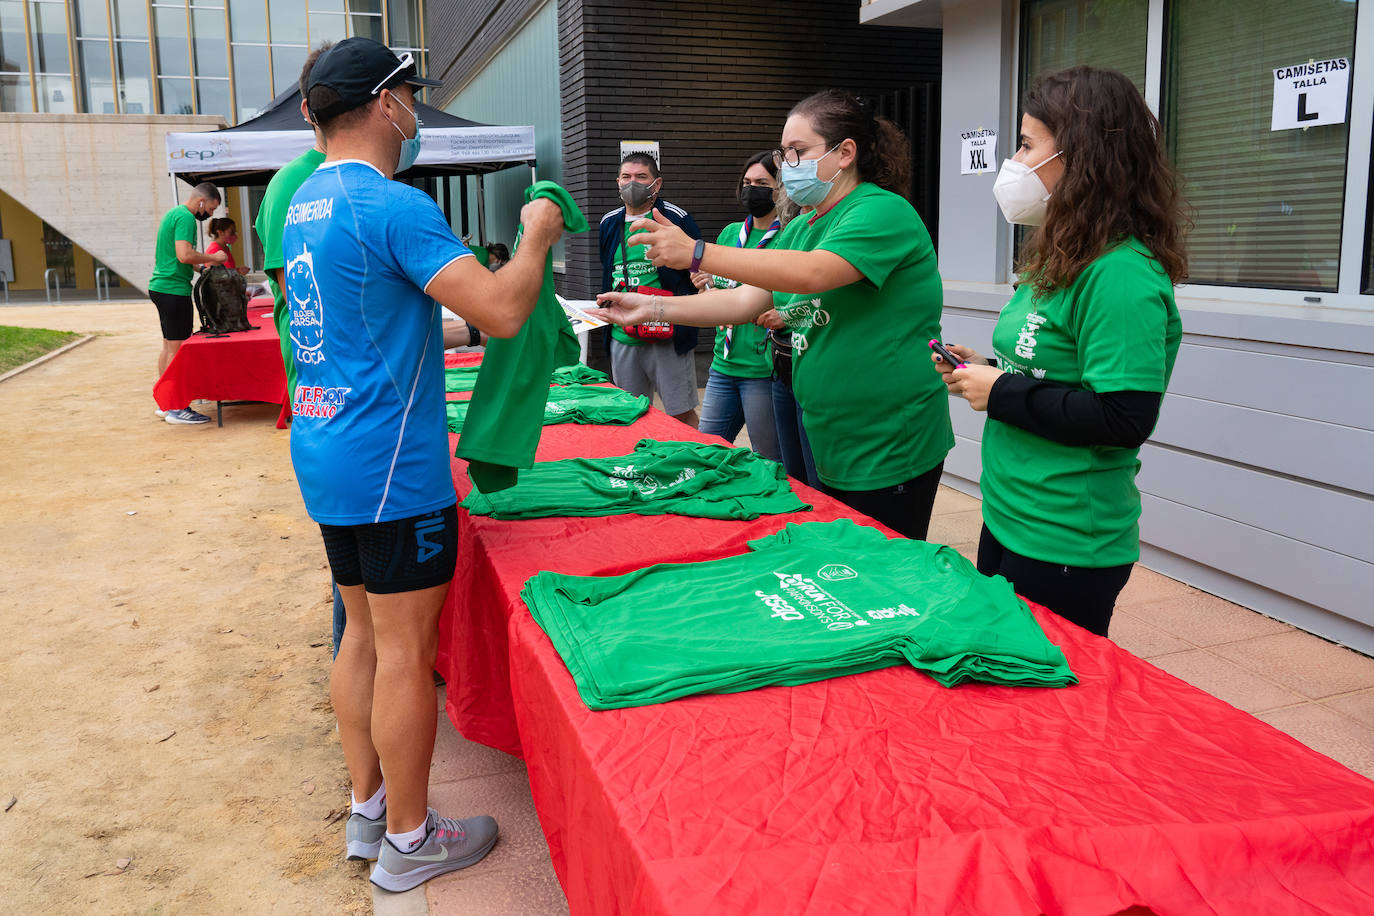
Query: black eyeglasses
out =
(790, 155)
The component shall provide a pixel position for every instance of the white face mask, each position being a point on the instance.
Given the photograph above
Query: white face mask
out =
(1020, 192)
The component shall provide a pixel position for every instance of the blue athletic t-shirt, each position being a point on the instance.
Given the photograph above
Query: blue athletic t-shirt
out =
(369, 437)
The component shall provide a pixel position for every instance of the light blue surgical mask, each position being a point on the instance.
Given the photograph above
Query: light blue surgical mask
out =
(410, 146)
(801, 183)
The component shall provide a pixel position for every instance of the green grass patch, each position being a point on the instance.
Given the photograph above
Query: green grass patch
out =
(21, 345)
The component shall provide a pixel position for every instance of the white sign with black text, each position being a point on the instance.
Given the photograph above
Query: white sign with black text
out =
(978, 152)
(1311, 94)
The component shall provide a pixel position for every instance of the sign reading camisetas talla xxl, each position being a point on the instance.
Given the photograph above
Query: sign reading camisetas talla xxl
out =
(1311, 94)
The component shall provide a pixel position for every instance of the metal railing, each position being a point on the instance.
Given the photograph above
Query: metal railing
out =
(55, 286)
(7, 288)
(102, 280)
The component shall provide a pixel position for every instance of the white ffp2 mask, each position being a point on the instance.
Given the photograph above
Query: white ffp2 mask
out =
(1020, 192)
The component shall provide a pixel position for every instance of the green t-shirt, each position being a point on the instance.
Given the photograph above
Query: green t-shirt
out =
(458, 379)
(170, 276)
(587, 404)
(817, 600)
(634, 266)
(657, 478)
(270, 224)
(875, 410)
(1115, 328)
(748, 356)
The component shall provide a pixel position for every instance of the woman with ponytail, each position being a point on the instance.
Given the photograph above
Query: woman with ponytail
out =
(854, 278)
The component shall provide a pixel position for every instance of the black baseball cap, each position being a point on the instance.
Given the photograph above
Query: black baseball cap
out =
(358, 69)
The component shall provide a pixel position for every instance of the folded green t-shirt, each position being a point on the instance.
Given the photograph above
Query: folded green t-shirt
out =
(815, 600)
(458, 379)
(657, 478)
(589, 404)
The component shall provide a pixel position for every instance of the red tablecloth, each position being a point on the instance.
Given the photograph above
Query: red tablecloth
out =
(243, 366)
(884, 792)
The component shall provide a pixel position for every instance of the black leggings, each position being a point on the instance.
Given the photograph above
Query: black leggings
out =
(904, 507)
(1081, 594)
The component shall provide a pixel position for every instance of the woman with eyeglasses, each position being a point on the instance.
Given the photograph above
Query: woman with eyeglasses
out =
(854, 278)
(739, 389)
(1085, 347)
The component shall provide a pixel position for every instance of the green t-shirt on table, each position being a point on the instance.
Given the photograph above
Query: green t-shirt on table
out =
(816, 600)
(458, 379)
(170, 276)
(658, 478)
(631, 264)
(1115, 328)
(875, 410)
(748, 356)
(270, 225)
(586, 404)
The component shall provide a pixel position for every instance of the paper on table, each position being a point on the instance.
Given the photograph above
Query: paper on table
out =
(581, 321)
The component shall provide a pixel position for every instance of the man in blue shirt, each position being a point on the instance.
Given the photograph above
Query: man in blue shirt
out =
(365, 260)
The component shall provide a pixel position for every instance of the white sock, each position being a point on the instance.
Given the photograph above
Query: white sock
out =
(411, 839)
(374, 807)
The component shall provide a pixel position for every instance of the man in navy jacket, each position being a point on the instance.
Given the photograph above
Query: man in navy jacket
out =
(644, 364)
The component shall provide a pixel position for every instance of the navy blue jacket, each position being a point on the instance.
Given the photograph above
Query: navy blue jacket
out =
(677, 282)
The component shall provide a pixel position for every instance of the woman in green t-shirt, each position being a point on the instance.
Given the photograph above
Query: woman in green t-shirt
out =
(1085, 347)
(739, 389)
(854, 277)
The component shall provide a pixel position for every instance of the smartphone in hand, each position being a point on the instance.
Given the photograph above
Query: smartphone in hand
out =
(954, 361)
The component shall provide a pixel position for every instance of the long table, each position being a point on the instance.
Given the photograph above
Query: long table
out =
(242, 366)
(883, 792)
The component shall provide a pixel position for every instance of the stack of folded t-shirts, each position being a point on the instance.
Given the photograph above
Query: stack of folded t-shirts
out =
(589, 404)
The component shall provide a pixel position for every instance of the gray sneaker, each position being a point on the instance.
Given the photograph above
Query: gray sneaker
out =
(450, 844)
(186, 416)
(364, 836)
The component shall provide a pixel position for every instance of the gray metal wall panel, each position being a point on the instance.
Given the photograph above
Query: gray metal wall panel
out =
(1324, 518)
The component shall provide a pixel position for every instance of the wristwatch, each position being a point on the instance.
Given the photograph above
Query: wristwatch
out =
(697, 251)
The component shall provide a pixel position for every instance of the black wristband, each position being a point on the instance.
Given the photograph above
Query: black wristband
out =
(474, 335)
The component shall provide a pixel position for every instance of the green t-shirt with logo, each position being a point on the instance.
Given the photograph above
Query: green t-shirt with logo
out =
(170, 276)
(270, 225)
(458, 379)
(1115, 328)
(748, 356)
(875, 411)
(586, 404)
(658, 478)
(815, 600)
(630, 263)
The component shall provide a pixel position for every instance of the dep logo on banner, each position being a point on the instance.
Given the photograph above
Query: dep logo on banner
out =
(1310, 94)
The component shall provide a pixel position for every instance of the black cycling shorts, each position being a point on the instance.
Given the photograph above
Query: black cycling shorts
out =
(175, 313)
(405, 555)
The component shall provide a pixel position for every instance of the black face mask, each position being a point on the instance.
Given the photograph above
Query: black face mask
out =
(757, 200)
(202, 216)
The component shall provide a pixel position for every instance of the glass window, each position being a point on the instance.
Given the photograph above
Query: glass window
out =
(60, 256)
(133, 69)
(248, 20)
(1368, 284)
(14, 57)
(55, 93)
(327, 27)
(14, 92)
(48, 26)
(1268, 202)
(286, 66)
(176, 96)
(288, 21)
(213, 98)
(130, 18)
(404, 16)
(366, 27)
(173, 58)
(97, 78)
(326, 6)
(252, 89)
(1100, 33)
(207, 29)
(365, 6)
(91, 19)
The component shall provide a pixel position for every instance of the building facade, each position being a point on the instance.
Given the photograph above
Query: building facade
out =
(1257, 484)
(212, 58)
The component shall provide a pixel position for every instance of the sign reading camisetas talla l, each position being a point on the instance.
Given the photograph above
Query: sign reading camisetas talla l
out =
(1311, 94)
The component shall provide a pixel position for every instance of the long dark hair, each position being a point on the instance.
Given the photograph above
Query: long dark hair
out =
(786, 209)
(884, 154)
(1117, 179)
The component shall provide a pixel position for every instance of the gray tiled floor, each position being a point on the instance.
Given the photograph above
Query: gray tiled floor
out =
(1319, 693)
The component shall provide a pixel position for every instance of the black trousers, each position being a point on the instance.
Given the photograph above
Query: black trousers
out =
(904, 507)
(1081, 594)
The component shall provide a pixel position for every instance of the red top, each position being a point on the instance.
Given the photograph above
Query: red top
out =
(215, 246)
